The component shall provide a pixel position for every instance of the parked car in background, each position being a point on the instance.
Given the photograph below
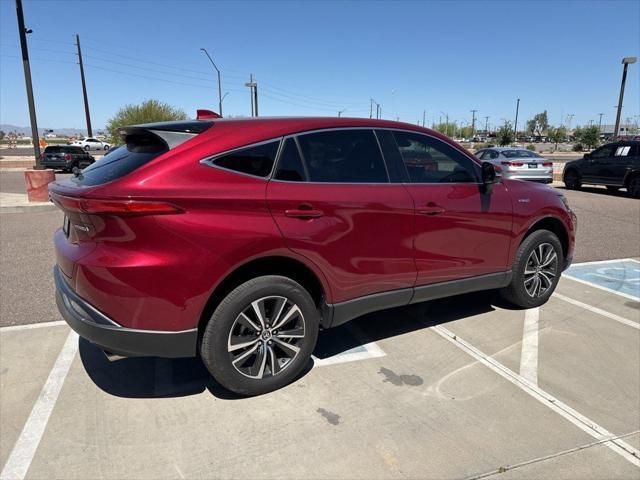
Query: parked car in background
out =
(238, 239)
(90, 143)
(518, 163)
(65, 157)
(614, 165)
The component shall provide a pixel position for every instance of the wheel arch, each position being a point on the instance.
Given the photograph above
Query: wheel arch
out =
(554, 225)
(630, 175)
(270, 265)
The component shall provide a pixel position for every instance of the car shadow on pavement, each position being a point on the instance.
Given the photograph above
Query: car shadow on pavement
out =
(601, 191)
(150, 377)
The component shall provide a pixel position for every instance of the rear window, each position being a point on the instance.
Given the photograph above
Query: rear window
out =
(138, 150)
(76, 150)
(53, 150)
(256, 160)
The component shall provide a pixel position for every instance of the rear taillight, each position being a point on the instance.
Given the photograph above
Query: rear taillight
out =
(547, 164)
(67, 157)
(512, 164)
(114, 207)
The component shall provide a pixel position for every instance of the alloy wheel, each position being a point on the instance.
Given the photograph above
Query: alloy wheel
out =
(540, 270)
(265, 337)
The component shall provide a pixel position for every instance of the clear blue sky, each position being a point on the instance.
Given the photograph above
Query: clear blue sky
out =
(318, 58)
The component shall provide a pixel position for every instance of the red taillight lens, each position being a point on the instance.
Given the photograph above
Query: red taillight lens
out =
(114, 207)
(67, 157)
(547, 164)
(512, 164)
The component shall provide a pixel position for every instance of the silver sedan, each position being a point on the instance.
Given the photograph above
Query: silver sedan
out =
(518, 163)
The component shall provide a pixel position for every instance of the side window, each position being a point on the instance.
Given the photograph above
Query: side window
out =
(290, 166)
(492, 155)
(603, 152)
(429, 160)
(257, 160)
(623, 151)
(343, 156)
(480, 154)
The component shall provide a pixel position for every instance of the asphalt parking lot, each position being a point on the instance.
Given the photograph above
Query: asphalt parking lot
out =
(458, 388)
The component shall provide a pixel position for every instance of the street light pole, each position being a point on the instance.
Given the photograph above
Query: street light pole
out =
(84, 89)
(515, 126)
(219, 82)
(625, 61)
(473, 123)
(600, 124)
(27, 80)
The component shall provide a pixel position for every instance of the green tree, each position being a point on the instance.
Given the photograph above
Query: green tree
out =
(147, 112)
(538, 124)
(588, 136)
(506, 135)
(557, 135)
(445, 128)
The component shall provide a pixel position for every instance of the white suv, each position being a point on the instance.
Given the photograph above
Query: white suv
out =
(90, 143)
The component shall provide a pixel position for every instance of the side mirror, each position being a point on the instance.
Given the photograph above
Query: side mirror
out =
(489, 176)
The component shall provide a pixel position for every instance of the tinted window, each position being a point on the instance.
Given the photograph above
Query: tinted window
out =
(138, 150)
(604, 152)
(257, 160)
(53, 150)
(491, 155)
(429, 160)
(290, 166)
(76, 150)
(345, 156)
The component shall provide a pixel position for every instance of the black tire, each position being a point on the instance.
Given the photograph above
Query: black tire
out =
(106, 147)
(518, 292)
(254, 374)
(87, 148)
(572, 180)
(633, 186)
(611, 188)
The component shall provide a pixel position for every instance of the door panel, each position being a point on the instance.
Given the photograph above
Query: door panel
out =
(360, 235)
(461, 232)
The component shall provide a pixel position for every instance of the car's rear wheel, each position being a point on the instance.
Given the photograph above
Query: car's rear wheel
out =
(572, 180)
(261, 335)
(633, 186)
(536, 270)
(106, 147)
(87, 148)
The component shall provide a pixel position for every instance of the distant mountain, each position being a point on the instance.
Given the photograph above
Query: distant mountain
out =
(58, 131)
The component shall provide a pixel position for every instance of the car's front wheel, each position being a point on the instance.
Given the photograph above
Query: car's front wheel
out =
(106, 147)
(261, 335)
(87, 148)
(633, 186)
(536, 270)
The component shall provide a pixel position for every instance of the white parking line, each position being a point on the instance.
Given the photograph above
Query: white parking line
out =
(371, 350)
(606, 261)
(529, 353)
(600, 287)
(29, 439)
(30, 326)
(619, 446)
(597, 310)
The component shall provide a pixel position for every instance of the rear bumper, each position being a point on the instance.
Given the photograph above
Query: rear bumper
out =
(530, 175)
(99, 329)
(55, 164)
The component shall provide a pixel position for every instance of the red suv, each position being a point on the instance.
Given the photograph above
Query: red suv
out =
(237, 240)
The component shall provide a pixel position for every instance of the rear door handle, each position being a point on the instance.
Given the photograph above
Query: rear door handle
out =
(431, 209)
(304, 212)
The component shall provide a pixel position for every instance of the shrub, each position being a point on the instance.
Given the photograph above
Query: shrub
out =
(531, 147)
(577, 147)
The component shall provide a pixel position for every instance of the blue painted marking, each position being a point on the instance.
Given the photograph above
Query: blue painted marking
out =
(622, 276)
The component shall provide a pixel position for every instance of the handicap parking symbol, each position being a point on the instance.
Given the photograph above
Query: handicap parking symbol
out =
(618, 276)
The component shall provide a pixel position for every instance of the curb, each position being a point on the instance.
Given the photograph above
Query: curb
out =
(28, 208)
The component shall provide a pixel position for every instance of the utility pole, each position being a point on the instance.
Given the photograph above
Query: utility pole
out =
(27, 80)
(625, 61)
(253, 94)
(219, 82)
(515, 126)
(377, 110)
(473, 122)
(600, 123)
(371, 108)
(486, 125)
(340, 113)
(424, 114)
(84, 88)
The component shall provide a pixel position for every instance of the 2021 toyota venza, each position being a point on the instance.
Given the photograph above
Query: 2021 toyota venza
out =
(237, 240)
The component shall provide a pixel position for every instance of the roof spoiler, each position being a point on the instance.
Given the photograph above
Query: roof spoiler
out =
(202, 114)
